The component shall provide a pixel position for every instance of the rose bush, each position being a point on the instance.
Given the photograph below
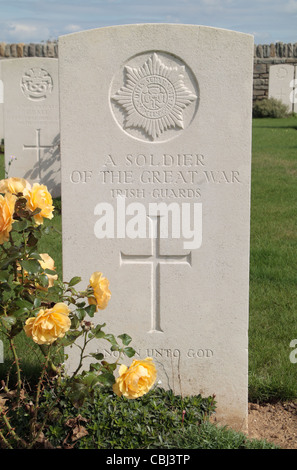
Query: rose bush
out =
(54, 315)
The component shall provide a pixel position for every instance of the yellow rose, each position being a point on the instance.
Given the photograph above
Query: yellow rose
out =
(14, 185)
(49, 325)
(7, 203)
(101, 291)
(39, 198)
(136, 380)
(48, 263)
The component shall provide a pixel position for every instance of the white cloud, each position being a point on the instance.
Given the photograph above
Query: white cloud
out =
(291, 6)
(28, 32)
(72, 28)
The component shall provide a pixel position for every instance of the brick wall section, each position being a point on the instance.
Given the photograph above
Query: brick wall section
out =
(264, 56)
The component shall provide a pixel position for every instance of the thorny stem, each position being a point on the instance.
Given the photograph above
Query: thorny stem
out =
(42, 426)
(14, 263)
(17, 363)
(36, 407)
(6, 443)
(11, 430)
(81, 356)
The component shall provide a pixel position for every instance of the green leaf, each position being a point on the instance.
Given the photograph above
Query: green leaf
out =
(98, 356)
(37, 302)
(34, 254)
(90, 379)
(75, 322)
(91, 309)
(50, 271)
(21, 312)
(70, 338)
(97, 332)
(4, 275)
(11, 259)
(32, 266)
(126, 339)
(106, 378)
(111, 339)
(130, 352)
(75, 280)
(80, 313)
(22, 303)
(43, 280)
(21, 225)
(8, 322)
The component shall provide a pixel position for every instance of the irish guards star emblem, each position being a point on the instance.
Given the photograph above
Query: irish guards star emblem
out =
(154, 97)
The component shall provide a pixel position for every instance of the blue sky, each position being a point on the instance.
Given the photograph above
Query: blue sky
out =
(40, 20)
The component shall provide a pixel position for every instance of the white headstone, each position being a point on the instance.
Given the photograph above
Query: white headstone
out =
(281, 78)
(1, 108)
(156, 122)
(31, 120)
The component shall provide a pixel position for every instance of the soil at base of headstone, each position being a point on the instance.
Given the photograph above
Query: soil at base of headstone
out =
(274, 422)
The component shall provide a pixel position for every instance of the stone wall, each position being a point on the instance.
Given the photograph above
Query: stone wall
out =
(264, 56)
(10, 51)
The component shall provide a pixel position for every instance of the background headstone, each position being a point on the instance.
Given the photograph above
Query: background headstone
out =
(31, 120)
(1, 108)
(164, 117)
(281, 77)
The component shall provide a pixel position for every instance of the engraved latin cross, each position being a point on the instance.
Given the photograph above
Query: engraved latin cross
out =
(39, 149)
(155, 259)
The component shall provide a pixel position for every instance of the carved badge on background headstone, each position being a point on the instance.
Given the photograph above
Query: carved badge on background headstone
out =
(154, 96)
(36, 83)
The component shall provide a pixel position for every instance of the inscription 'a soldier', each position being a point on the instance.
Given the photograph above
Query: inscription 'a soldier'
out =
(154, 97)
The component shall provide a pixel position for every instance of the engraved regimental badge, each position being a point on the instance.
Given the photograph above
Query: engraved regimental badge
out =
(155, 97)
(36, 83)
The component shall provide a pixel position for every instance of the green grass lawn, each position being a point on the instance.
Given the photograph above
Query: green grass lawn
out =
(273, 260)
(273, 270)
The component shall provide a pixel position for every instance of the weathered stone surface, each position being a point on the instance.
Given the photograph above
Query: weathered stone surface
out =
(31, 117)
(156, 126)
(272, 50)
(32, 50)
(280, 80)
(20, 50)
(260, 68)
